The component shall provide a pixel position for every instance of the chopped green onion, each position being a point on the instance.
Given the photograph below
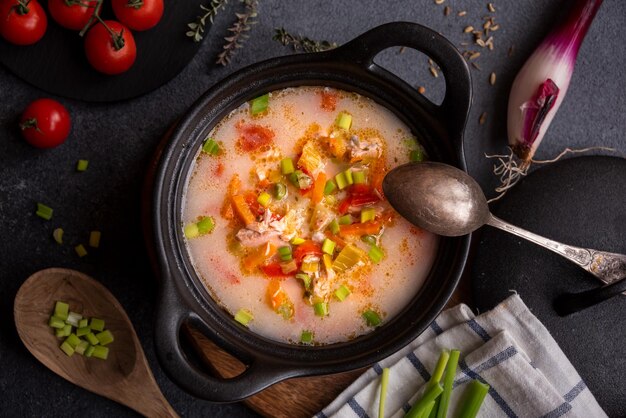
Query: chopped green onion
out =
(105, 337)
(67, 349)
(206, 225)
(334, 227)
(344, 120)
(100, 352)
(417, 155)
(342, 293)
(342, 181)
(97, 324)
(375, 254)
(475, 395)
(191, 230)
(80, 250)
(345, 220)
(243, 316)
(329, 187)
(280, 191)
(429, 408)
(297, 241)
(83, 323)
(306, 279)
(61, 310)
(301, 180)
(56, 322)
(81, 347)
(448, 382)
(67, 330)
(264, 199)
(211, 147)
(286, 166)
(285, 253)
(420, 405)
(94, 239)
(259, 104)
(73, 318)
(73, 340)
(328, 246)
(371, 318)
(91, 337)
(384, 380)
(369, 239)
(44, 211)
(60, 332)
(83, 331)
(368, 214)
(57, 234)
(358, 177)
(81, 165)
(89, 351)
(306, 337)
(321, 308)
(348, 175)
(439, 368)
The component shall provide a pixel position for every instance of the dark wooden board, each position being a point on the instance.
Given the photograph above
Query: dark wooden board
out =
(57, 63)
(580, 201)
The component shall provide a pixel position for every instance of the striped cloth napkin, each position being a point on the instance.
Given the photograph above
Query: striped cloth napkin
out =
(507, 348)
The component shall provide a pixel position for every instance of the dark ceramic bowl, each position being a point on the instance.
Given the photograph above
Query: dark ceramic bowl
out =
(183, 298)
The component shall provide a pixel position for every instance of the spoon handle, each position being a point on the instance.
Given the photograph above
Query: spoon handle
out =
(608, 267)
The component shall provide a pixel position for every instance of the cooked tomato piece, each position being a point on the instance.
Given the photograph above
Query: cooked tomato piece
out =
(254, 137)
(306, 248)
(329, 100)
(274, 270)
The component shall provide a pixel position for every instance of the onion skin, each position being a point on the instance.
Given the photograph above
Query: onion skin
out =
(540, 86)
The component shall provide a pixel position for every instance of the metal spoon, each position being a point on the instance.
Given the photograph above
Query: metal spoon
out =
(446, 201)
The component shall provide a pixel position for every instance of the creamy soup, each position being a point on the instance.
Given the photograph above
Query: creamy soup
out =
(286, 222)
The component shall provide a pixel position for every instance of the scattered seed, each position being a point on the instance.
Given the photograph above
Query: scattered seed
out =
(439, 1)
(491, 7)
(431, 62)
(511, 51)
(464, 43)
(468, 29)
(446, 10)
(487, 25)
(483, 118)
(434, 72)
(474, 56)
(476, 66)
(461, 13)
(421, 90)
(480, 42)
(494, 27)
(402, 49)
(492, 79)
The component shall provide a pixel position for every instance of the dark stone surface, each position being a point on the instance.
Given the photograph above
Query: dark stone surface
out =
(574, 201)
(118, 140)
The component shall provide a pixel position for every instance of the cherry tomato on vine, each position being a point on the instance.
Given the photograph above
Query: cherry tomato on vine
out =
(138, 14)
(45, 123)
(22, 22)
(71, 14)
(110, 47)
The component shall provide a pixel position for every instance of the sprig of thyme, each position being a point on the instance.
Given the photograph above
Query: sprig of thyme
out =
(242, 25)
(301, 43)
(197, 27)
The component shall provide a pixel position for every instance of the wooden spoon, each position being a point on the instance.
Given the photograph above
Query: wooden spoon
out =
(124, 377)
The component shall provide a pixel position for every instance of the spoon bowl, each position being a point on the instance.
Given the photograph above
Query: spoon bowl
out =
(124, 377)
(437, 197)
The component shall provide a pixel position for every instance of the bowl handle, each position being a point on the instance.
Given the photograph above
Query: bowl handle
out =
(458, 97)
(171, 314)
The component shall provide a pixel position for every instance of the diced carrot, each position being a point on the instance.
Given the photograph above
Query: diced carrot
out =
(367, 228)
(318, 188)
(242, 209)
(338, 240)
(378, 172)
(279, 300)
(258, 256)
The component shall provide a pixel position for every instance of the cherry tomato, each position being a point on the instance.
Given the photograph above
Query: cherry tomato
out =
(110, 54)
(22, 22)
(138, 14)
(45, 123)
(74, 15)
